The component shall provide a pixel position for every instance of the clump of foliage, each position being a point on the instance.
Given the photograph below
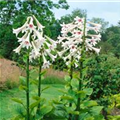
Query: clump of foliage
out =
(114, 108)
(103, 76)
(111, 38)
(8, 84)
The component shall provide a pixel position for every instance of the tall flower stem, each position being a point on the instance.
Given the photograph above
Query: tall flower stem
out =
(81, 70)
(27, 84)
(71, 76)
(39, 81)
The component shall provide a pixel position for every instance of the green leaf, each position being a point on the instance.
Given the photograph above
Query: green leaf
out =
(56, 101)
(34, 104)
(74, 112)
(89, 118)
(25, 58)
(90, 103)
(96, 110)
(67, 78)
(74, 83)
(67, 97)
(43, 72)
(19, 117)
(36, 97)
(35, 82)
(17, 100)
(81, 94)
(22, 87)
(118, 105)
(45, 88)
(83, 115)
(45, 110)
(62, 91)
(88, 91)
(99, 117)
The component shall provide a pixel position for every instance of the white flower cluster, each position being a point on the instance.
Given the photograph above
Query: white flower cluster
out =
(71, 39)
(34, 40)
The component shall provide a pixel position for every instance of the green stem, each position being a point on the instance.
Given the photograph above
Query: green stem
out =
(39, 81)
(71, 76)
(27, 91)
(81, 70)
(79, 89)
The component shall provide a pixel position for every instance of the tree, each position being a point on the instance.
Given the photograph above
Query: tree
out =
(117, 51)
(7, 41)
(106, 47)
(15, 9)
(102, 22)
(13, 14)
(70, 17)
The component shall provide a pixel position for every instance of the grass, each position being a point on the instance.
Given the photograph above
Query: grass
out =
(8, 107)
(53, 80)
(9, 87)
(51, 77)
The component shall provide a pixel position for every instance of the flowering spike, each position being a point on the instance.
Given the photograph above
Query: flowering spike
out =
(34, 40)
(71, 39)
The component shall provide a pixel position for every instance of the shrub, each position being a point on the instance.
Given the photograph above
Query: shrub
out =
(11, 84)
(2, 86)
(104, 77)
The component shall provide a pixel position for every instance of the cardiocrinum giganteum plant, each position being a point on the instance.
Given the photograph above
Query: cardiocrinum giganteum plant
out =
(77, 40)
(34, 45)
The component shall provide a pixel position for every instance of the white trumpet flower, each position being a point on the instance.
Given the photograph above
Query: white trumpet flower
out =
(79, 20)
(46, 63)
(50, 55)
(77, 33)
(31, 26)
(21, 29)
(18, 49)
(32, 55)
(90, 47)
(92, 41)
(94, 24)
(61, 39)
(40, 27)
(50, 46)
(36, 33)
(62, 52)
(39, 43)
(26, 42)
(52, 41)
(97, 37)
(73, 50)
(35, 49)
(23, 37)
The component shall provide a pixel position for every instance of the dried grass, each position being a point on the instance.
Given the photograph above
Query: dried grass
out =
(8, 70)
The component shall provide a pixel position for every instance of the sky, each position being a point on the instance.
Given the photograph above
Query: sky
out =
(107, 9)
